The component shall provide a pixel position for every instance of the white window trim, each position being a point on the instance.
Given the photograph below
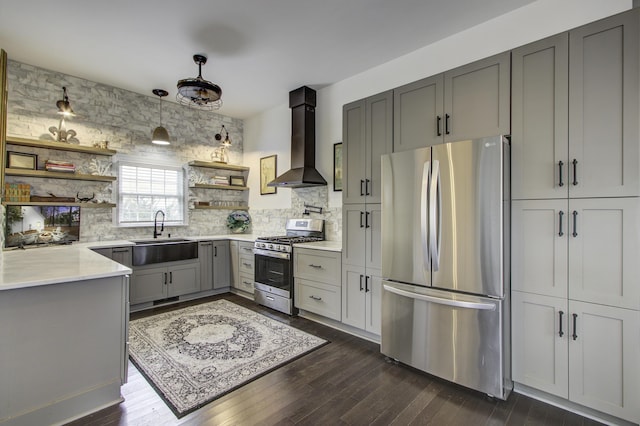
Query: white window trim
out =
(157, 163)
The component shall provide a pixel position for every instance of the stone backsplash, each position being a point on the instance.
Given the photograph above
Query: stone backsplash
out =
(126, 120)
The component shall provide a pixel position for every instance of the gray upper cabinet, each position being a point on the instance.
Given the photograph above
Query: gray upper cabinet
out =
(575, 113)
(468, 102)
(477, 99)
(539, 142)
(367, 134)
(418, 114)
(603, 108)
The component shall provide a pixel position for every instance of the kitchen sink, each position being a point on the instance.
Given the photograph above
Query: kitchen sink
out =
(147, 252)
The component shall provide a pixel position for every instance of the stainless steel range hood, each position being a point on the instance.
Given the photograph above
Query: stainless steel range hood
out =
(303, 171)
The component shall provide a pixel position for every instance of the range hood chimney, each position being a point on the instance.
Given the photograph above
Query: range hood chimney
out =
(303, 171)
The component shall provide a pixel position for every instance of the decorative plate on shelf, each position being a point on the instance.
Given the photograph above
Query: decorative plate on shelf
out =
(238, 221)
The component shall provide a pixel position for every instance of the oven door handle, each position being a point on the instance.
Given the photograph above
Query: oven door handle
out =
(269, 253)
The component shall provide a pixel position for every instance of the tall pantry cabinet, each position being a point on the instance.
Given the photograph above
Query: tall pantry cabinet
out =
(367, 135)
(576, 215)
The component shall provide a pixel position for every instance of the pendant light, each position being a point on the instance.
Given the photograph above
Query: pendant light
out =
(160, 134)
(198, 92)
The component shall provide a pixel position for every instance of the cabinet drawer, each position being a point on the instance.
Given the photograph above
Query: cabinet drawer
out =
(246, 265)
(317, 265)
(319, 298)
(246, 283)
(245, 248)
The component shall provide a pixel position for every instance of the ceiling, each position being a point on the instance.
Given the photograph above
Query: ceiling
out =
(258, 50)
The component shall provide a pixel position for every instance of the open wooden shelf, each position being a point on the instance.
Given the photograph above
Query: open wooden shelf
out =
(198, 207)
(60, 146)
(215, 165)
(226, 187)
(56, 175)
(57, 203)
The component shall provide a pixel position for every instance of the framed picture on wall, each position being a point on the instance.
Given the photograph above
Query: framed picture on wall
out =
(268, 170)
(337, 166)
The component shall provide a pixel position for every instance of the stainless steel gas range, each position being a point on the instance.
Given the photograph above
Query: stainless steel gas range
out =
(274, 263)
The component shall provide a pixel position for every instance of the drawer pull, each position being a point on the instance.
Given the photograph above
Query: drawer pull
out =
(315, 266)
(247, 283)
(246, 264)
(315, 297)
(120, 250)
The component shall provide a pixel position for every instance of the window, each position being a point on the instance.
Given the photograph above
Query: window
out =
(144, 189)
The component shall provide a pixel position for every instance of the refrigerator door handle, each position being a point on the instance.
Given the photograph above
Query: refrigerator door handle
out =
(424, 202)
(480, 306)
(435, 206)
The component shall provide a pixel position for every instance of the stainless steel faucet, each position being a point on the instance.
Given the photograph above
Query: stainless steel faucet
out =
(156, 234)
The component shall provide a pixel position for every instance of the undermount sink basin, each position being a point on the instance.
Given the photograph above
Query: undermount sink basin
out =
(148, 252)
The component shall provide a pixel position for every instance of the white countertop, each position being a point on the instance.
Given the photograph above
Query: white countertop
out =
(58, 264)
(54, 265)
(322, 245)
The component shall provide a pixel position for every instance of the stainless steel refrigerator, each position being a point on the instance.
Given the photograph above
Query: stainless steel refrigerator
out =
(445, 262)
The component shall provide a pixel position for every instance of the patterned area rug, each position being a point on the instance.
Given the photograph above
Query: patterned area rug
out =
(194, 355)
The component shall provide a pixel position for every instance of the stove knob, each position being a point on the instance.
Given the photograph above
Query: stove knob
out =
(270, 246)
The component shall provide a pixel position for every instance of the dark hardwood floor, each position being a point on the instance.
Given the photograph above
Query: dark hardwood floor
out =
(347, 382)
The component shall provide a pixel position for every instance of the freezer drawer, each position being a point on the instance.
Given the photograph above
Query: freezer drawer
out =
(453, 336)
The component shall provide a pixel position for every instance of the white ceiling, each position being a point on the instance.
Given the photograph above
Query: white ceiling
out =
(258, 50)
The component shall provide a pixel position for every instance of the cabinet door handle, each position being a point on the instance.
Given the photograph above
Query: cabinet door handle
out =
(560, 214)
(215, 251)
(315, 266)
(438, 122)
(361, 217)
(575, 324)
(560, 164)
(366, 284)
(361, 187)
(560, 332)
(575, 171)
(366, 220)
(315, 297)
(120, 250)
(366, 187)
(446, 124)
(575, 224)
(165, 278)
(170, 277)
(361, 276)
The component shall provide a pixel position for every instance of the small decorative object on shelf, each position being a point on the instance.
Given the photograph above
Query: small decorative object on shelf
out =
(59, 166)
(237, 180)
(101, 145)
(98, 167)
(238, 221)
(17, 192)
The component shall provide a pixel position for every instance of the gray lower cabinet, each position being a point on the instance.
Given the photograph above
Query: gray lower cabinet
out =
(221, 264)
(122, 255)
(317, 275)
(242, 266)
(361, 298)
(64, 350)
(159, 282)
(467, 102)
(215, 264)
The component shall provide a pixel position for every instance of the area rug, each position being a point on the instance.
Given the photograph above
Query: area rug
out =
(194, 355)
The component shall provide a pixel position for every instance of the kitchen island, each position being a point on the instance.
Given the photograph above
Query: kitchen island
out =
(64, 321)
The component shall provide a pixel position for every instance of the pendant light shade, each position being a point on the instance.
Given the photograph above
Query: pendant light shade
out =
(198, 92)
(160, 134)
